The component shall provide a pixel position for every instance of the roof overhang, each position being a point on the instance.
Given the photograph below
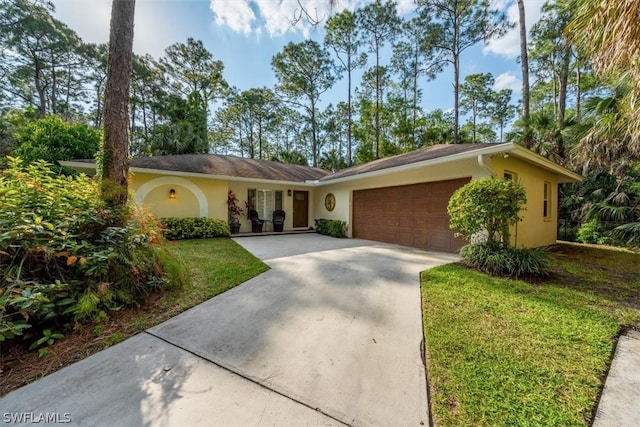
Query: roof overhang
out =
(564, 174)
(510, 148)
(90, 169)
(471, 154)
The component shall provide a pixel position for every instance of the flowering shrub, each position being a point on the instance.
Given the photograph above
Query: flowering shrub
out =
(63, 255)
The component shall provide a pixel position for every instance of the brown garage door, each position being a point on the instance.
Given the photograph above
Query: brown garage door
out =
(412, 215)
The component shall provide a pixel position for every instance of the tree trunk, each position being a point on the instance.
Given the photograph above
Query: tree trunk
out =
(456, 98)
(456, 80)
(377, 101)
(314, 136)
(578, 92)
(563, 80)
(115, 156)
(475, 114)
(414, 117)
(54, 86)
(524, 63)
(349, 112)
(42, 97)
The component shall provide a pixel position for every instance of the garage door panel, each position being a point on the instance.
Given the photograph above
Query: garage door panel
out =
(413, 215)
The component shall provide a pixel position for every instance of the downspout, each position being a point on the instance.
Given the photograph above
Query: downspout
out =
(484, 166)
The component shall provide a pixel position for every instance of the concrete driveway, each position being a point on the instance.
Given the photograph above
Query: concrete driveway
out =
(330, 335)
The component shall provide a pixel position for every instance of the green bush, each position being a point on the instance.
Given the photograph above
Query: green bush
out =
(503, 260)
(331, 227)
(567, 233)
(589, 232)
(52, 139)
(64, 257)
(194, 228)
(488, 206)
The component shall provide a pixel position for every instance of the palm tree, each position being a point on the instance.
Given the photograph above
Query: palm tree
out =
(604, 138)
(610, 35)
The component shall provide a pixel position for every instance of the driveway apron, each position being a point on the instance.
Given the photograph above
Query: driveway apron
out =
(330, 335)
(334, 324)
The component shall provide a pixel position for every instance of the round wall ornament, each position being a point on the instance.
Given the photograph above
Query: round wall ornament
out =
(330, 202)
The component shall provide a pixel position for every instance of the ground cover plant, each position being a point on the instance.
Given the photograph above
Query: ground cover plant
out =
(213, 265)
(66, 258)
(508, 352)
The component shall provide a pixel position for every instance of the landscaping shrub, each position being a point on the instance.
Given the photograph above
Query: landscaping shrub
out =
(568, 233)
(487, 206)
(589, 232)
(331, 227)
(64, 257)
(194, 228)
(504, 260)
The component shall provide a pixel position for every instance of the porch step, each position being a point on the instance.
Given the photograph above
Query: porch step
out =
(272, 233)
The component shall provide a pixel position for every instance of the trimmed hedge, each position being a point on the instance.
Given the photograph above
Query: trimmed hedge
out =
(331, 227)
(194, 228)
(502, 260)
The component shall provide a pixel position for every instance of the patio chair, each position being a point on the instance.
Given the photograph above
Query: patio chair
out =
(256, 223)
(278, 220)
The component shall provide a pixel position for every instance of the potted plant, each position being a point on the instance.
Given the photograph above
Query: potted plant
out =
(234, 212)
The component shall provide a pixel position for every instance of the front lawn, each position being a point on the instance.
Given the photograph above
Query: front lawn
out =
(215, 265)
(505, 352)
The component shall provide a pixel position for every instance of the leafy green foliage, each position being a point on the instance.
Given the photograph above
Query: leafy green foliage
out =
(194, 228)
(52, 139)
(331, 227)
(64, 257)
(502, 260)
(589, 232)
(486, 206)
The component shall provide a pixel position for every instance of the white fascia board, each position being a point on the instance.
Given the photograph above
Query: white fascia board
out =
(527, 155)
(473, 154)
(84, 166)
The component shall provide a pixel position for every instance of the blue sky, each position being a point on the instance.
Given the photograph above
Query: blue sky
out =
(245, 34)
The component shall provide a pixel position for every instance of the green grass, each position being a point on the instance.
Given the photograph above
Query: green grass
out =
(503, 352)
(213, 265)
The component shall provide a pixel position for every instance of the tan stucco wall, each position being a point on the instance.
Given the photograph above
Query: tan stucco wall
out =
(186, 203)
(200, 196)
(534, 230)
(344, 191)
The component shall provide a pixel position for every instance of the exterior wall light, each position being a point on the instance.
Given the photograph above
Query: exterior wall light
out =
(288, 192)
(172, 194)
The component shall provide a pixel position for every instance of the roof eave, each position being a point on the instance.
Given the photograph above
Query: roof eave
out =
(564, 174)
(498, 148)
(92, 167)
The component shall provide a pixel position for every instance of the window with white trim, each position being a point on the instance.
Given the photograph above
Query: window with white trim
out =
(510, 176)
(546, 202)
(265, 201)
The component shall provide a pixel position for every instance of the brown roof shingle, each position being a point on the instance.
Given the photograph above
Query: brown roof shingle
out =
(423, 154)
(215, 164)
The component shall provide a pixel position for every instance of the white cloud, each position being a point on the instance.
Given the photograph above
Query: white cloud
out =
(275, 17)
(405, 6)
(91, 20)
(236, 14)
(509, 45)
(507, 80)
